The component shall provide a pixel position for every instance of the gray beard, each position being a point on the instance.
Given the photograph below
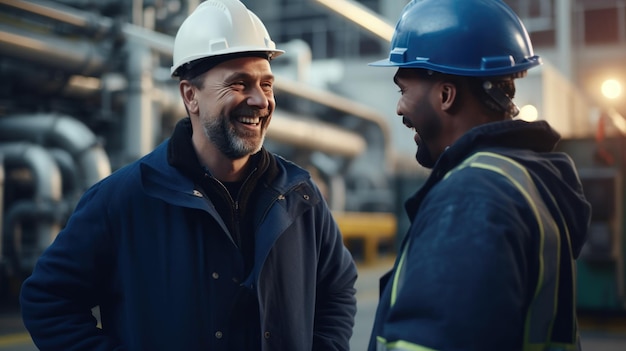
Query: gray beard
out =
(227, 141)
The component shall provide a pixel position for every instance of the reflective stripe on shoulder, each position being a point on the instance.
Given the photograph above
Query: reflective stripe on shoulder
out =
(398, 276)
(400, 345)
(542, 310)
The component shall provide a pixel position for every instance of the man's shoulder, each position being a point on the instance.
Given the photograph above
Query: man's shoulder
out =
(486, 174)
(128, 175)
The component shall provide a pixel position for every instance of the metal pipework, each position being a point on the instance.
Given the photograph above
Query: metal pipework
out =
(342, 104)
(54, 130)
(316, 135)
(64, 14)
(45, 172)
(43, 219)
(94, 24)
(77, 56)
(164, 44)
(47, 184)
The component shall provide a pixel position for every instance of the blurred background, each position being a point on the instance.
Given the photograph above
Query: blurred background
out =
(86, 88)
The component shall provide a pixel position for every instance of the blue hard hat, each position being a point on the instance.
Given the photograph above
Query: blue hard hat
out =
(479, 38)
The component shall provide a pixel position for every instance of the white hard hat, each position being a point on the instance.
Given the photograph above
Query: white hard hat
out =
(220, 27)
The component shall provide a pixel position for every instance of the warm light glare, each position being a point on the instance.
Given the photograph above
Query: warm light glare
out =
(611, 89)
(528, 113)
(361, 15)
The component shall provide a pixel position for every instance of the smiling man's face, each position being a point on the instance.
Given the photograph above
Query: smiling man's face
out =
(235, 104)
(418, 113)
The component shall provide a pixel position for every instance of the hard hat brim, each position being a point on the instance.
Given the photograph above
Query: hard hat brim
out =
(271, 53)
(384, 63)
(469, 72)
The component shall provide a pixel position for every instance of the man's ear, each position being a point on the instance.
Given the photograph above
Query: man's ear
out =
(448, 95)
(188, 93)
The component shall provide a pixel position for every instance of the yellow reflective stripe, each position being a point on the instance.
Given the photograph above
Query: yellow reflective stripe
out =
(399, 345)
(573, 272)
(541, 312)
(397, 275)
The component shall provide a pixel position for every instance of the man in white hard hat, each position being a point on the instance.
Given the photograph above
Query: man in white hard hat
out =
(210, 242)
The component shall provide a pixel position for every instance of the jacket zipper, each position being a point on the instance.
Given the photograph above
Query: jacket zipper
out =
(235, 207)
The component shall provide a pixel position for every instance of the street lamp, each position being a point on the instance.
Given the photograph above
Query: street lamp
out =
(611, 89)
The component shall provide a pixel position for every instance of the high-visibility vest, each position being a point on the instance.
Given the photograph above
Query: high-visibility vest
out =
(542, 310)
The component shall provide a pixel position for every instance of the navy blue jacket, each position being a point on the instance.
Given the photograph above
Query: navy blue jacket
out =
(148, 248)
(500, 215)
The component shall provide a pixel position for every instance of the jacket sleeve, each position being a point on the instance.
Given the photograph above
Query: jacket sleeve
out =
(57, 299)
(335, 296)
(462, 281)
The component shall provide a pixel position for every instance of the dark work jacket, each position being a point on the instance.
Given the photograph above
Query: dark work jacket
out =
(147, 246)
(468, 269)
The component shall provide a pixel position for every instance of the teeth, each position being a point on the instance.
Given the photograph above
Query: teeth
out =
(250, 120)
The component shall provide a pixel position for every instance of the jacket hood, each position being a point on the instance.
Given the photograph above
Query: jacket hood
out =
(532, 144)
(556, 173)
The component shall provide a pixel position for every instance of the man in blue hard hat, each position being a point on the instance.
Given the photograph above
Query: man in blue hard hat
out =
(488, 261)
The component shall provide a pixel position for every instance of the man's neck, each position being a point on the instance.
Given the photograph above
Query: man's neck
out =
(224, 168)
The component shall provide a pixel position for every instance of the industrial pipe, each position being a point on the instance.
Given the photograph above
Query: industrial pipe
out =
(45, 172)
(54, 130)
(93, 24)
(163, 44)
(313, 134)
(339, 103)
(139, 122)
(87, 21)
(30, 227)
(77, 56)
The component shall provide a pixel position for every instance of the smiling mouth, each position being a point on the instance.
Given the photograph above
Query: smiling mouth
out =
(252, 121)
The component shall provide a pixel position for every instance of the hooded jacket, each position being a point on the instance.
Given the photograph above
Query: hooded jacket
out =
(488, 261)
(150, 249)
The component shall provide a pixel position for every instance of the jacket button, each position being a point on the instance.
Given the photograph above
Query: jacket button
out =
(266, 335)
(218, 334)
(306, 197)
(215, 275)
